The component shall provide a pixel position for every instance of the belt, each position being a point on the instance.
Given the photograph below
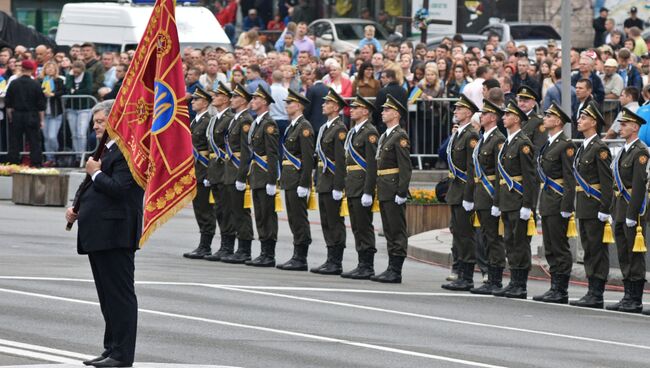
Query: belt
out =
(236, 154)
(213, 155)
(619, 194)
(388, 171)
(287, 163)
(515, 178)
(204, 153)
(595, 186)
(354, 168)
(488, 177)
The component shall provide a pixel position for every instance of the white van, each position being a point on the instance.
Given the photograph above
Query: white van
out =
(120, 26)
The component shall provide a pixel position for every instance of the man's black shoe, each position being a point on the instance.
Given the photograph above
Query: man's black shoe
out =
(110, 362)
(91, 361)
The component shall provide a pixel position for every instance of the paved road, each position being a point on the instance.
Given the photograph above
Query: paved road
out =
(203, 313)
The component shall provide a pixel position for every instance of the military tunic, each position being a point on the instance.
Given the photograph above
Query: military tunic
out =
(535, 131)
(393, 178)
(558, 192)
(361, 143)
(632, 169)
(593, 164)
(203, 209)
(216, 170)
(298, 143)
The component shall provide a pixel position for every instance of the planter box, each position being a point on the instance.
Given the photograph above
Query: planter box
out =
(40, 190)
(5, 187)
(425, 217)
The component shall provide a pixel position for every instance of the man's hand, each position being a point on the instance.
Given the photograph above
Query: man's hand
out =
(366, 200)
(525, 213)
(602, 217)
(240, 186)
(302, 192)
(93, 166)
(400, 200)
(42, 124)
(70, 215)
(337, 195)
(468, 206)
(495, 211)
(270, 189)
(206, 183)
(630, 223)
(565, 214)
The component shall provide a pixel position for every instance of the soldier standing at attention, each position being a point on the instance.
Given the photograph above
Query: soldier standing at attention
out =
(297, 165)
(393, 179)
(516, 199)
(360, 184)
(216, 169)
(591, 169)
(555, 169)
(330, 182)
(459, 196)
(485, 184)
(203, 209)
(630, 205)
(236, 174)
(264, 144)
(534, 126)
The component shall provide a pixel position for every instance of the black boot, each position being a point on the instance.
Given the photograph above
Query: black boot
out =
(227, 248)
(504, 289)
(365, 269)
(495, 275)
(333, 264)
(242, 254)
(465, 281)
(626, 297)
(393, 274)
(594, 296)
(266, 257)
(518, 291)
(299, 260)
(204, 248)
(561, 293)
(549, 292)
(635, 303)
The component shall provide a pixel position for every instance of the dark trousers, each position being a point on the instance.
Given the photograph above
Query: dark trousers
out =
(632, 263)
(298, 219)
(113, 271)
(463, 234)
(362, 228)
(556, 244)
(225, 221)
(240, 216)
(332, 223)
(27, 124)
(491, 240)
(393, 220)
(596, 258)
(516, 241)
(266, 219)
(203, 210)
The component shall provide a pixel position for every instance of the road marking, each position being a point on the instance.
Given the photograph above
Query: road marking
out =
(43, 349)
(268, 329)
(36, 355)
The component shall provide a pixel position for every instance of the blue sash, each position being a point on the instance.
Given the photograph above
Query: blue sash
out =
(200, 158)
(260, 161)
(231, 156)
(588, 189)
(295, 161)
(478, 170)
(511, 183)
(454, 172)
(546, 181)
(215, 148)
(621, 188)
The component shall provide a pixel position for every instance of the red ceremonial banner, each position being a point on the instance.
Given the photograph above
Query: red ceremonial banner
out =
(150, 121)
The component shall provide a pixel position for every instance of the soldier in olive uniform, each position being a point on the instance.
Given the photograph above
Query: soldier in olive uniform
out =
(330, 182)
(236, 174)
(297, 165)
(555, 169)
(629, 208)
(533, 127)
(203, 209)
(264, 144)
(459, 196)
(593, 174)
(393, 179)
(485, 185)
(516, 199)
(216, 168)
(360, 184)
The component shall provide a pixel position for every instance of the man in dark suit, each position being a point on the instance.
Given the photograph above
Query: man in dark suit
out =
(583, 92)
(110, 223)
(316, 94)
(390, 87)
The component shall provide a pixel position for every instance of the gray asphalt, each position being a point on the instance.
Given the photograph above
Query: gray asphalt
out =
(204, 313)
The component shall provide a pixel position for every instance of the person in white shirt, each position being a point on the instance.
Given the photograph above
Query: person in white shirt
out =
(474, 89)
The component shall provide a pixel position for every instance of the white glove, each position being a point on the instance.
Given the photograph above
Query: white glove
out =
(206, 183)
(603, 217)
(302, 192)
(524, 213)
(495, 211)
(400, 200)
(240, 186)
(366, 200)
(468, 206)
(630, 223)
(565, 214)
(337, 195)
(270, 189)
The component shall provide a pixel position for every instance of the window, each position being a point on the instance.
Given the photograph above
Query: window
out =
(349, 31)
(533, 32)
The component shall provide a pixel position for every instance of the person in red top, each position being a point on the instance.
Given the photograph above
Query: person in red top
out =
(228, 14)
(276, 24)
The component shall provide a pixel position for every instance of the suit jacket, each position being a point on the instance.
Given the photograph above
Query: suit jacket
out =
(364, 143)
(517, 160)
(110, 212)
(314, 111)
(238, 140)
(535, 131)
(487, 152)
(264, 141)
(461, 155)
(556, 161)
(332, 144)
(594, 165)
(632, 169)
(217, 129)
(299, 141)
(393, 152)
(200, 143)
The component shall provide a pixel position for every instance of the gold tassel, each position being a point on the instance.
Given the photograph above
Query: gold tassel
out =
(532, 226)
(639, 241)
(502, 229)
(248, 201)
(211, 198)
(608, 238)
(312, 203)
(278, 200)
(477, 222)
(344, 211)
(375, 203)
(571, 231)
